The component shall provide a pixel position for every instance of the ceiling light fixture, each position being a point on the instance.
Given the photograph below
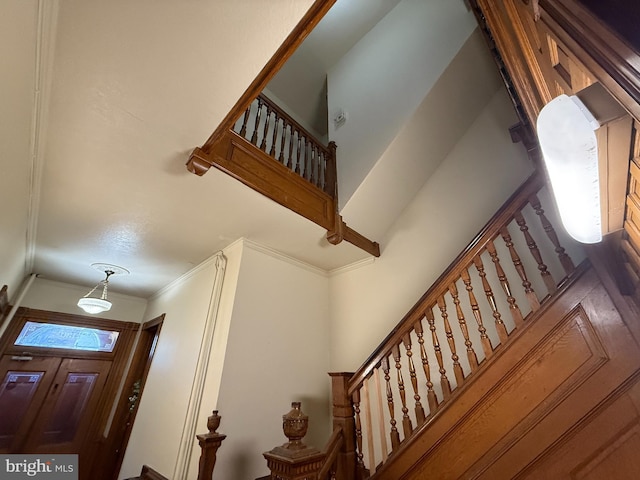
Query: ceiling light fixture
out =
(586, 147)
(95, 305)
(566, 131)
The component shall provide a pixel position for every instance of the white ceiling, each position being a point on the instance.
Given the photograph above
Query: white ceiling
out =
(109, 107)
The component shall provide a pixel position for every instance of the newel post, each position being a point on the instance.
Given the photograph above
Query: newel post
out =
(331, 179)
(209, 443)
(343, 417)
(294, 460)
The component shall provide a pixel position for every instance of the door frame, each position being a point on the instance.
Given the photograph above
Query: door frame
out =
(107, 464)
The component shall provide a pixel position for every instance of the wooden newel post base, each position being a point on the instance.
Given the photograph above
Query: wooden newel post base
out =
(294, 460)
(343, 417)
(209, 444)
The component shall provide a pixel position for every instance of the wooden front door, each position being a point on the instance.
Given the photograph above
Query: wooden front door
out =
(48, 404)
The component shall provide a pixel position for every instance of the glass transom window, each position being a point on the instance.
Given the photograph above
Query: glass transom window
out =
(49, 335)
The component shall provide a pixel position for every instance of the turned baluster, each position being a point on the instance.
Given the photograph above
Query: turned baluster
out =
(506, 288)
(313, 159)
(380, 422)
(368, 423)
(500, 326)
(395, 435)
(356, 408)
(307, 158)
(432, 400)
(406, 421)
(291, 142)
(471, 354)
(565, 260)
(298, 150)
(420, 416)
(254, 137)
(484, 338)
(274, 137)
(282, 140)
(517, 263)
(533, 248)
(457, 368)
(243, 129)
(444, 381)
(267, 122)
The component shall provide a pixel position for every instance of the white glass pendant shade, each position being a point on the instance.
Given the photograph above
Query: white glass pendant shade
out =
(566, 131)
(94, 305)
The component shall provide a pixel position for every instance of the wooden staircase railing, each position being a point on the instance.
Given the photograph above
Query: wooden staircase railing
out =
(272, 130)
(493, 285)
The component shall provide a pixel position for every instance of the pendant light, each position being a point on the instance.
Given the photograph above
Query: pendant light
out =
(94, 304)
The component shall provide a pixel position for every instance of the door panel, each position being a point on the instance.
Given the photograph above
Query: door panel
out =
(69, 407)
(24, 387)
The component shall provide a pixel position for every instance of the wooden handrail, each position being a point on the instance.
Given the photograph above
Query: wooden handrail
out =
(511, 206)
(331, 451)
(291, 43)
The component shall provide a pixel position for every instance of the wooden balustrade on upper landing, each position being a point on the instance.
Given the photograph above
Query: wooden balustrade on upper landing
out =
(267, 150)
(279, 158)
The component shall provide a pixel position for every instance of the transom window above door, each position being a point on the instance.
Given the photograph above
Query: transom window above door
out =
(51, 335)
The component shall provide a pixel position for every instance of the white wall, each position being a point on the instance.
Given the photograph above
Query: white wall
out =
(381, 81)
(63, 297)
(278, 352)
(270, 347)
(481, 171)
(157, 431)
(17, 78)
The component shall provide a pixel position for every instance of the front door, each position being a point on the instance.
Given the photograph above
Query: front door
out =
(59, 377)
(47, 404)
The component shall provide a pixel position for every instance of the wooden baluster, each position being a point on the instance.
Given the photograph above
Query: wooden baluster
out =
(513, 306)
(356, 409)
(291, 142)
(395, 436)
(243, 129)
(406, 421)
(484, 338)
(565, 260)
(274, 137)
(313, 159)
(533, 248)
(369, 423)
(420, 416)
(282, 141)
(267, 121)
(432, 400)
(298, 150)
(343, 417)
(500, 326)
(471, 354)
(517, 263)
(322, 170)
(383, 439)
(444, 381)
(254, 137)
(330, 173)
(457, 368)
(307, 158)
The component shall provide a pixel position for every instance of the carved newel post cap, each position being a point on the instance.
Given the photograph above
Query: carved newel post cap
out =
(295, 425)
(213, 422)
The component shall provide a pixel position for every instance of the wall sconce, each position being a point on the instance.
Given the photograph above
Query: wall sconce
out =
(95, 305)
(586, 149)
